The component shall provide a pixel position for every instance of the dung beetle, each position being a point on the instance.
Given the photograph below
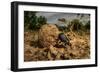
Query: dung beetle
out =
(63, 38)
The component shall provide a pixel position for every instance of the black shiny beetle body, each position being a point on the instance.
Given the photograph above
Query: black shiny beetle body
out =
(64, 39)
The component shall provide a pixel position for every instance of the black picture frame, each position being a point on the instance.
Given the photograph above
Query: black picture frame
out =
(14, 35)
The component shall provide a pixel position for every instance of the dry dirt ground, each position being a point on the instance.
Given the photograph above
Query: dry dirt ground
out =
(79, 48)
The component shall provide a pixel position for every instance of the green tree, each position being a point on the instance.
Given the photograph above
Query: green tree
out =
(76, 25)
(87, 25)
(41, 21)
(32, 22)
(30, 19)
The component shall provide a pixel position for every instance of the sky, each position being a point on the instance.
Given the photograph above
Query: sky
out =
(52, 17)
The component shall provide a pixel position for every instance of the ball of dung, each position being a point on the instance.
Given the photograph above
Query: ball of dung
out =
(48, 35)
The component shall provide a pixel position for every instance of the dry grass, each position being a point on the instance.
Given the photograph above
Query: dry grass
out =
(79, 48)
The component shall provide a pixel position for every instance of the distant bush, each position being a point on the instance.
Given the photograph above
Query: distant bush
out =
(32, 22)
(41, 21)
(75, 25)
(87, 25)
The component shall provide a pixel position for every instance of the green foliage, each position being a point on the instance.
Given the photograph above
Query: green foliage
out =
(41, 21)
(76, 25)
(32, 22)
(87, 25)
